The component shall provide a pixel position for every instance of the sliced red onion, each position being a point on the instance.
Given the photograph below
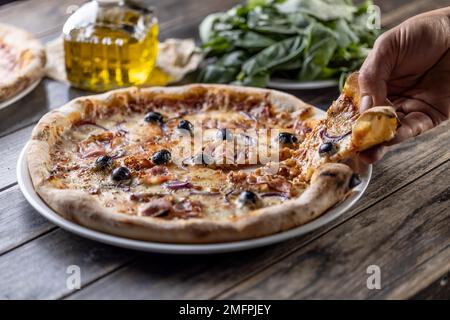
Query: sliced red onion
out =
(275, 194)
(178, 185)
(121, 128)
(119, 154)
(204, 193)
(94, 153)
(90, 123)
(328, 138)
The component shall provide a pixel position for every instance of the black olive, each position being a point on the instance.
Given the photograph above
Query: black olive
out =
(103, 163)
(154, 117)
(287, 138)
(327, 148)
(161, 157)
(224, 134)
(249, 199)
(355, 180)
(121, 173)
(186, 125)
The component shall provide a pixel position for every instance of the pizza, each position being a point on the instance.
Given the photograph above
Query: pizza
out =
(201, 163)
(22, 61)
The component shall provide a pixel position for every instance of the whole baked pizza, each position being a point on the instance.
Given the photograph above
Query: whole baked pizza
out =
(201, 163)
(22, 61)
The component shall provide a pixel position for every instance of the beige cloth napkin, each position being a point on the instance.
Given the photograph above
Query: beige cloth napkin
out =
(176, 58)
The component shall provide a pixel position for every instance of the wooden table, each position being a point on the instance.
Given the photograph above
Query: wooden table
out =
(402, 224)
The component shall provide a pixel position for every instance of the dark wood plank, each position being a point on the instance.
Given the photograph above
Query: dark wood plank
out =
(19, 222)
(427, 281)
(397, 235)
(11, 146)
(48, 95)
(38, 16)
(176, 277)
(406, 9)
(401, 166)
(53, 13)
(37, 270)
(438, 290)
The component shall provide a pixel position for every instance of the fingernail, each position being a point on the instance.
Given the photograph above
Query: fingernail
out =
(366, 103)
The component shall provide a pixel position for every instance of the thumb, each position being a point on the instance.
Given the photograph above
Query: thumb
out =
(376, 71)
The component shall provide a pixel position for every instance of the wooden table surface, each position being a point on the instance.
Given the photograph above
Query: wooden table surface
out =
(402, 224)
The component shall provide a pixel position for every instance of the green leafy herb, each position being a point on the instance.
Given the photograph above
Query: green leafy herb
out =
(296, 39)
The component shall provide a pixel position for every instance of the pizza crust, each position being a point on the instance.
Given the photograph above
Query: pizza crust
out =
(329, 184)
(31, 57)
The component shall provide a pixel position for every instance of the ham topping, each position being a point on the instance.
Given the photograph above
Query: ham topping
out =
(169, 207)
(137, 163)
(156, 208)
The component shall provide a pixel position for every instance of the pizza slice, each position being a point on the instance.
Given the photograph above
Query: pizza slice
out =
(22, 60)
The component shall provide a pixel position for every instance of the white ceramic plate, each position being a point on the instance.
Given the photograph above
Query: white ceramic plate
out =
(36, 202)
(284, 84)
(20, 95)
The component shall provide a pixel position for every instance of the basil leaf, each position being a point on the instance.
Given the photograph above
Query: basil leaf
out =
(317, 59)
(295, 39)
(274, 55)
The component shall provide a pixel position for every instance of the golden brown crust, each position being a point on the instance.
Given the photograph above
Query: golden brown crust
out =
(28, 61)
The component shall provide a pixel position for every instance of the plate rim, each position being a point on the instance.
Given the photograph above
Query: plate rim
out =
(20, 95)
(27, 189)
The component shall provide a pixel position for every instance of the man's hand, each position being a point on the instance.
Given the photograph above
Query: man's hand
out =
(410, 66)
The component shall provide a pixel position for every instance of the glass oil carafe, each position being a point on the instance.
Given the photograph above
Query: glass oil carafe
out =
(110, 44)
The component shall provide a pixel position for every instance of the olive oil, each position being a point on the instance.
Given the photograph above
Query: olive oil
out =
(108, 45)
